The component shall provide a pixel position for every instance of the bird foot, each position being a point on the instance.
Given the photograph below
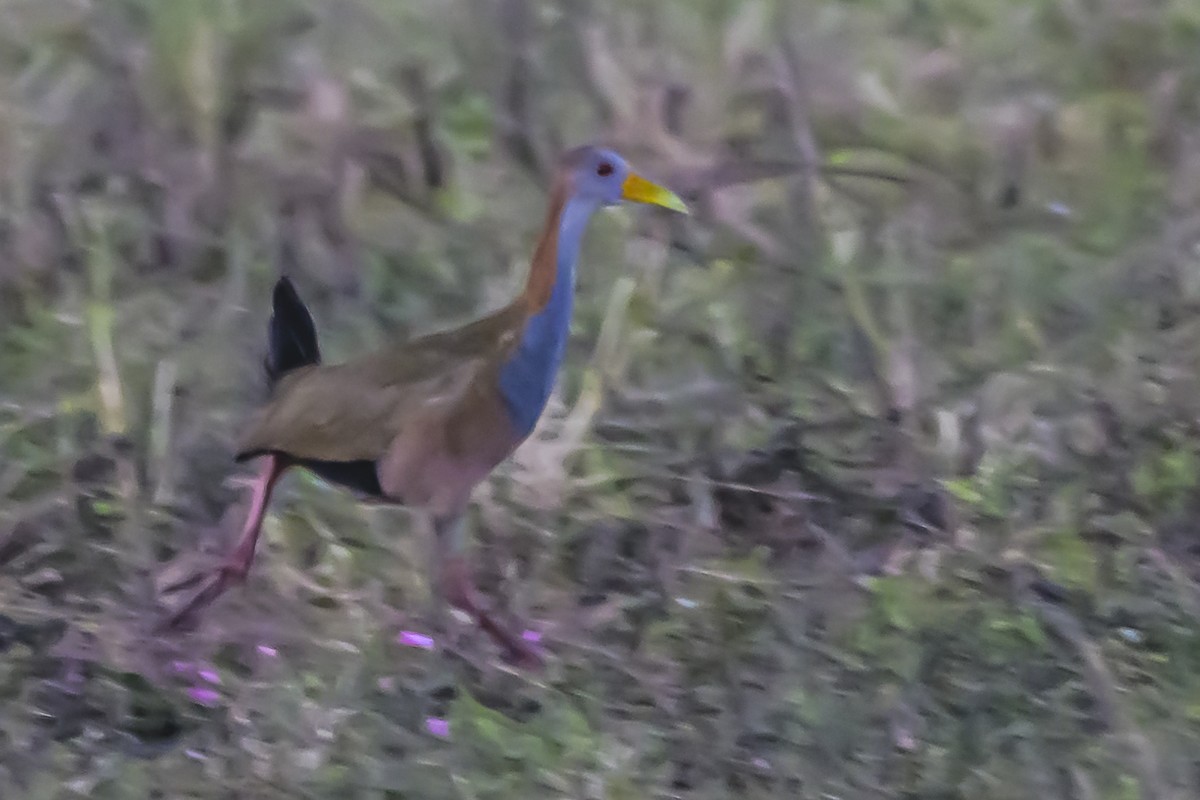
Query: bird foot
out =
(525, 657)
(458, 588)
(515, 649)
(213, 583)
(235, 569)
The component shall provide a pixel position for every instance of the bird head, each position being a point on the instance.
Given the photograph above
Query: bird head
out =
(601, 175)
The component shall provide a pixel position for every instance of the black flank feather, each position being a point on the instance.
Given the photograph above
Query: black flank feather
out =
(292, 343)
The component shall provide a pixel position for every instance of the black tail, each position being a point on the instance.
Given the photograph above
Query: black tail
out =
(291, 335)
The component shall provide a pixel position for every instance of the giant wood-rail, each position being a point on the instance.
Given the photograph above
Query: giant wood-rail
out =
(419, 423)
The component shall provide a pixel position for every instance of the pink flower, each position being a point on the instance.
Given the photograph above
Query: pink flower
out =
(210, 675)
(438, 727)
(533, 637)
(182, 667)
(204, 696)
(414, 639)
(267, 650)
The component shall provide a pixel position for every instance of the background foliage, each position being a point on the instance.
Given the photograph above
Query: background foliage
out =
(874, 478)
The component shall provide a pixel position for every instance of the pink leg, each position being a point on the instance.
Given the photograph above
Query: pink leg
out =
(243, 555)
(238, 564)
(458, 588)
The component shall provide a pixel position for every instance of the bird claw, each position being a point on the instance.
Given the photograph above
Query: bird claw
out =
(515, 650)
(522, 653)
(178, 584)
(214, 583)
(234, 570)
(523, 656)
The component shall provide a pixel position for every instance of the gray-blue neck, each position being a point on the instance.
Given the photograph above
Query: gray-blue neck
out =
(527, 377)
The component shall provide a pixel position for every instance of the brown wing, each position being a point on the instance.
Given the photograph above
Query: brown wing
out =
(353, 411)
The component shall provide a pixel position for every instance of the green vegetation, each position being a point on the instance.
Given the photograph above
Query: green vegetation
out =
(875, 478)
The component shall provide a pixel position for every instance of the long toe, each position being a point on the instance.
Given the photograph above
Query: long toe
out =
(214, 586)
(519, 652)
(526, 657)
(235, 570)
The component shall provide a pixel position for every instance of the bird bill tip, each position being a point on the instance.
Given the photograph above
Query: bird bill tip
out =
(639, 190)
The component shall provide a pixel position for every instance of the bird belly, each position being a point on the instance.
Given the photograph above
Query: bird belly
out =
(439, 458)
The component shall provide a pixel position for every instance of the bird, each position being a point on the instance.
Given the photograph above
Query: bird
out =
(420, 422)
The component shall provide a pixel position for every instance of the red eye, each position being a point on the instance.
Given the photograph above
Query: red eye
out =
(605, 169)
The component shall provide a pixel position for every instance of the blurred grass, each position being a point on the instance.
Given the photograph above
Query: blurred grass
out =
(853, 486)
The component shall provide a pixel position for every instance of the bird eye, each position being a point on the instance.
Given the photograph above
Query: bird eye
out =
(604, 169)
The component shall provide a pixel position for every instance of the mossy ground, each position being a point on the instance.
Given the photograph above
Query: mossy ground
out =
(875, 478)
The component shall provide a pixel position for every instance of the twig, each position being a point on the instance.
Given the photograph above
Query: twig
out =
(1106, 692)
(1189, 592)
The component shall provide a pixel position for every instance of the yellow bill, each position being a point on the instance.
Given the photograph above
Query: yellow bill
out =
(640, 190)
